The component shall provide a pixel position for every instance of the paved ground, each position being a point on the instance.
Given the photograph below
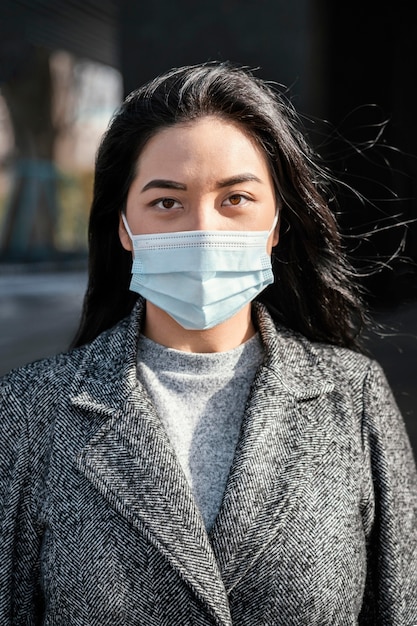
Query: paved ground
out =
(39, 314)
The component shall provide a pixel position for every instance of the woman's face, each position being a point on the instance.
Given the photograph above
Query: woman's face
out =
(207, 174)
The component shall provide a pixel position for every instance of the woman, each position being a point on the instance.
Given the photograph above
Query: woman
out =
(215, 449)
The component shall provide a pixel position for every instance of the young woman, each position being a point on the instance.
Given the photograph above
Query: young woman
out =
(215, 449)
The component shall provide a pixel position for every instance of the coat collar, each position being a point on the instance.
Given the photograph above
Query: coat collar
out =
(111, 357)
(131, 462)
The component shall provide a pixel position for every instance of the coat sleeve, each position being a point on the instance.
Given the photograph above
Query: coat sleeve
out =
(391, 588)
(19, 538)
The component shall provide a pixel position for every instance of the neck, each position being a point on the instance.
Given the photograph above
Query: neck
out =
(163, 329)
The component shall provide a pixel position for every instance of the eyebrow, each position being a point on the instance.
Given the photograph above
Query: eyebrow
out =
(236, 180)
(161, 183)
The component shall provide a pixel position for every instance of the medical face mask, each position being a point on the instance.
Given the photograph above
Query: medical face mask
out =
(200, 278)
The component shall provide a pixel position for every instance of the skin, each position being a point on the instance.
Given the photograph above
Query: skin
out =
(207, 174)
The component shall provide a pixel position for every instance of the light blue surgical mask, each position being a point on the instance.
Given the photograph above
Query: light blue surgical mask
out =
(201, 278)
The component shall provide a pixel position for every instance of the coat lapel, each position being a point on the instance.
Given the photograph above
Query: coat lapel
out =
(129, 460)
(285, 430)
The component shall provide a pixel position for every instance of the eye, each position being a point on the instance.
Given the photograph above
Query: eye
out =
(166, 203)
(236, 199)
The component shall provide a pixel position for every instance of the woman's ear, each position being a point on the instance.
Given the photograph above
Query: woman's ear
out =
(275, 234)
(124, 236)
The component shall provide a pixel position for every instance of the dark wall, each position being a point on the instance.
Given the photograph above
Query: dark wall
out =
(87, 29)
(370, 82)
(156, 36)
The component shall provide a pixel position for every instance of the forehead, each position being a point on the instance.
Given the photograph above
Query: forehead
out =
(209, 141)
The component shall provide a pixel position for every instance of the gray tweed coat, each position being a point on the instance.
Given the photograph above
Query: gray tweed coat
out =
(98, 526)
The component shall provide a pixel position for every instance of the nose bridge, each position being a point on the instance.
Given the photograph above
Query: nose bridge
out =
(203, 214)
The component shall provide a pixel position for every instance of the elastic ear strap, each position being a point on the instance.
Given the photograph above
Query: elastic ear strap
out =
(274, 223)
(126, 225)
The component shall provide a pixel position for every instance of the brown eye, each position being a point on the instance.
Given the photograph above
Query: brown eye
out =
(235, 200)
(167, 203)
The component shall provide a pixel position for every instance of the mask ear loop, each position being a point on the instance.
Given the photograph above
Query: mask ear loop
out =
(129, 232)
(274, 223)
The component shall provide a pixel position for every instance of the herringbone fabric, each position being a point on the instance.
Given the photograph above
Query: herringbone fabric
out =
(98, 526)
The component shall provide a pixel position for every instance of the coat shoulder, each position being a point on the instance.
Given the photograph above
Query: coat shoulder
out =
(344, 361)
(332, 361)
(52, 375)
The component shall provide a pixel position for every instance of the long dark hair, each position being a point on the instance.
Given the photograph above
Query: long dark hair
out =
(313, 292)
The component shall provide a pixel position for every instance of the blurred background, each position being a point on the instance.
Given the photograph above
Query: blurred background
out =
(65, 66)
